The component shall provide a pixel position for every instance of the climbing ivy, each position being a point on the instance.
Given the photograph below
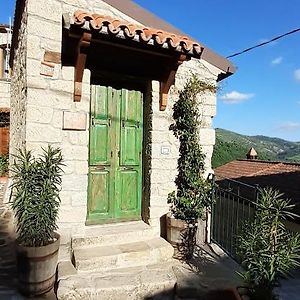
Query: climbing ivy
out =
(194, 192)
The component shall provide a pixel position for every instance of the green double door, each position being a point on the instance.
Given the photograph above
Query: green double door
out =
(115, 155)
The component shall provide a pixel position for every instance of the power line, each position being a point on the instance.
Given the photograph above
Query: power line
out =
(264, 43)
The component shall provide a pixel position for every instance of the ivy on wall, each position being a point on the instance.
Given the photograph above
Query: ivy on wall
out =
(194, 192)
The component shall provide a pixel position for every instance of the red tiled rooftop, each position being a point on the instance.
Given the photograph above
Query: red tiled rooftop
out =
(282, 176)
(120, 28)
(249, 168)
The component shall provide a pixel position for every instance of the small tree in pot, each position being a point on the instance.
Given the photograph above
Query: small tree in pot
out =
(194, 192)
(35, 202)
(268, 251)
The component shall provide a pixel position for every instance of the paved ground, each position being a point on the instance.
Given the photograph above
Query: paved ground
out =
(290, 289)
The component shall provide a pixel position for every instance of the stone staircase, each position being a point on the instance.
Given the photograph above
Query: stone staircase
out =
(121, 261)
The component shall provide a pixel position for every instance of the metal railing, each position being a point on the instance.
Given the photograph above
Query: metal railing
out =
(234, 204)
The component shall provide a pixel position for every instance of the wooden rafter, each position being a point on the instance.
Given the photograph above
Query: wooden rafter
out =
(83, 45)
(168, 81)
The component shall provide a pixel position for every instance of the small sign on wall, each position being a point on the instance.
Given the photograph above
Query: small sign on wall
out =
(165, 150)
(74, 120)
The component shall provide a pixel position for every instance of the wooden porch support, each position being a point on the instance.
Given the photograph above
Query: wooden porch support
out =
(168, 81)
(83, 45)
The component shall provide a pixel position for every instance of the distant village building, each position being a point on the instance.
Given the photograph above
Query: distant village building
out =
(283, 176)
(5, 41)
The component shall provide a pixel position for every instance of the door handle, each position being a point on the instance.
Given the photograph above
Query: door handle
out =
(126, 168)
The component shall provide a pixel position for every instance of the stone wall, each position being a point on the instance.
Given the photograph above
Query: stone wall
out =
(4, 93)
(19, 90)
(164, 167)
(49, 97)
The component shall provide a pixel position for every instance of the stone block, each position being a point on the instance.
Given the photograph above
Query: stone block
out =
(74, 183)
(70, 214)
(47, 9)
(34, 47)
(62, 86)
(79, 199)
(39, 114)
(44, 28)
(73, 152)
(37, 132)
(36, 82)
(207, 136)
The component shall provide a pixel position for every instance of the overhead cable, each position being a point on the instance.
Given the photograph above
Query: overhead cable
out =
(264, 43)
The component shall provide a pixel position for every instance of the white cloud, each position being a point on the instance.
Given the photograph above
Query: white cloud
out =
(235, 97)
(288, 126)
(297, 74)
(277, 60)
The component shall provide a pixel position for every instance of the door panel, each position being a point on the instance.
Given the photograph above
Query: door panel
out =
(100, 131)
(115, 175)
(100, 206)
(129, 181)
(131, 128)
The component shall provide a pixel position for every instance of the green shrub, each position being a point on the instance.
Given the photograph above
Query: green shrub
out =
(3, 165)
(193, 191)
(266, 249)
(35, 190)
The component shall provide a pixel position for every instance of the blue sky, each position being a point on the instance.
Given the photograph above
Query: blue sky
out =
(263, 96)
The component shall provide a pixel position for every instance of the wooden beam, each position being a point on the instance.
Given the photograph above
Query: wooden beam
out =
(83, 45)
(168, 81)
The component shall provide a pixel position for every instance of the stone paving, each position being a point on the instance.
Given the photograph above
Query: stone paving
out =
(289, 289)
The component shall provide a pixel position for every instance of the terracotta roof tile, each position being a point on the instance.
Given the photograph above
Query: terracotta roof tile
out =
(280, 175)
(124, 29)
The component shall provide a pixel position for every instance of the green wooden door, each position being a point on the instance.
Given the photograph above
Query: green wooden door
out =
(115, 162)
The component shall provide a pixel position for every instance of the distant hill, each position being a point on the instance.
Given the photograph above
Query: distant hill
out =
(230, 146)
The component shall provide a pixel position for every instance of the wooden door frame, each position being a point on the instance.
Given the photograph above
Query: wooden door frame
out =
(98, 78)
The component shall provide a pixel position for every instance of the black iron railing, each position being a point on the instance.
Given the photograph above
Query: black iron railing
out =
(234, 204)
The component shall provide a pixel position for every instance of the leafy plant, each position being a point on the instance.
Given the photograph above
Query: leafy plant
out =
(193, 191)
(35, 190)
(3, 165)
(266, 248)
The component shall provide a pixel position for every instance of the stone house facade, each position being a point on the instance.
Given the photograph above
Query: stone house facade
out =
(5, 37)
(65, 53)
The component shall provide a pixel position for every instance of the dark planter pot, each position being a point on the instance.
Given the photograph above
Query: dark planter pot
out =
(37, 268)
(181, 235)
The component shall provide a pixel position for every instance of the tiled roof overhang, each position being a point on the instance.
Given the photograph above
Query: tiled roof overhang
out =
(158, 53)
(124, 30)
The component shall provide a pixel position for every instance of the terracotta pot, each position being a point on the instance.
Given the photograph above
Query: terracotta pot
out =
(37, 268)
(175, 229)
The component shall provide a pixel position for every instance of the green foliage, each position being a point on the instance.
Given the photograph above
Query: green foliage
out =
(193, 191)
(35, 189)
(230, 146)
(3, 165)
(266, 248)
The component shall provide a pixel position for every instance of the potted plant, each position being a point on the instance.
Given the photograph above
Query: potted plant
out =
(35, 202)
(193, 194)
(3, 168)
(267, 250)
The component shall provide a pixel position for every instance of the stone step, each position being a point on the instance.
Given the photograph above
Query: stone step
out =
(141, 253)
(154, 282)
(112, 234)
